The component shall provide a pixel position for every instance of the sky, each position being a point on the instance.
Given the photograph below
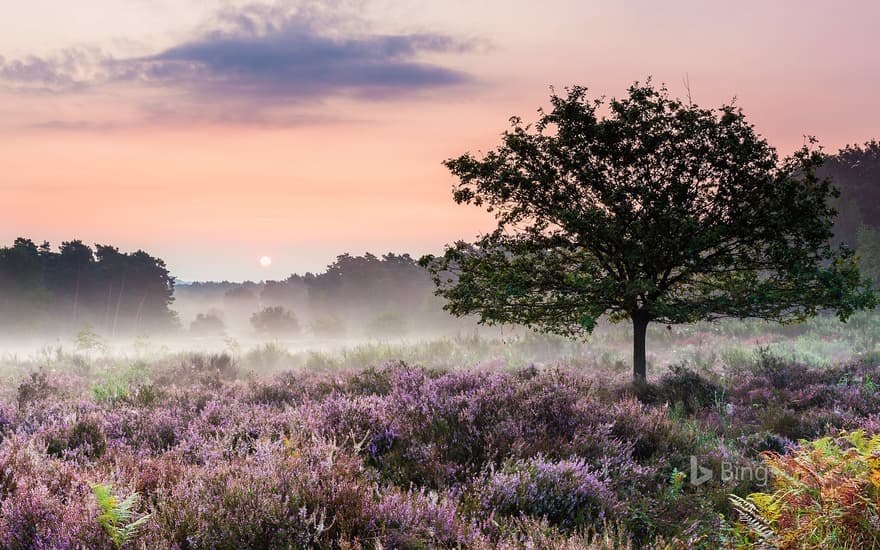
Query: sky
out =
(211, 133)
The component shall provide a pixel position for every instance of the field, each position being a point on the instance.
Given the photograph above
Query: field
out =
(481, 442)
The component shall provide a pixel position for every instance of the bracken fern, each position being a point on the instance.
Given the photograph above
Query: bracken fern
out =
(827, 496)
(116, 515)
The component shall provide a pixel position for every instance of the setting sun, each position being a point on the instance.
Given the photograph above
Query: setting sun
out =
(265, 261)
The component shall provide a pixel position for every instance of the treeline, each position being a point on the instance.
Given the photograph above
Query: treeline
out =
(118, 293)
(855, 169)
(355, 295)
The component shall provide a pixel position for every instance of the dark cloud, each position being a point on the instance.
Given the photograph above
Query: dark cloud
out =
(258, 54)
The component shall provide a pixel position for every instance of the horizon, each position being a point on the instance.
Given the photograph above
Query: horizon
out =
(301, 130)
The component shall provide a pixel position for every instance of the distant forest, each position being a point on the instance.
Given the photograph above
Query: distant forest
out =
(355, 295)
(856, 171)
(124, 294)
(75, 286)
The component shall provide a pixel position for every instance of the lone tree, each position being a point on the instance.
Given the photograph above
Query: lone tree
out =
(275, 320)
(657, 210)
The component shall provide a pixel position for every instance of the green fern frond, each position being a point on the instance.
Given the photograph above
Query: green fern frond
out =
(116, 515)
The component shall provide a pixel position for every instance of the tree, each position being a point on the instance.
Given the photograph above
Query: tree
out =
(24, 299)
(856, 170)
(120, 292)
(275, 320)
(658, 210)
(210, 323)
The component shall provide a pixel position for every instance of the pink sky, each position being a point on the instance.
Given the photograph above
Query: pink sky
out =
(212, 133)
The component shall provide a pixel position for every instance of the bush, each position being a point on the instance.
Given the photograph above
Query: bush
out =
(84, 439)
(35, 388)
(684, 388)
(275, 321)
(568, 493)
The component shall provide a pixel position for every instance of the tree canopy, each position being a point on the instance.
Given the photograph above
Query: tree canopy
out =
(76, 285)
(646, 208)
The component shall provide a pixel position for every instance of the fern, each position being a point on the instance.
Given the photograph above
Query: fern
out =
(754, 519)
(116, 515)
(827, 495)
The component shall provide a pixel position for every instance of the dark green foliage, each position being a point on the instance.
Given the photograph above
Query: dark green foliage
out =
(684, 388)
(659, 211)
(145, 395)
(362, 284)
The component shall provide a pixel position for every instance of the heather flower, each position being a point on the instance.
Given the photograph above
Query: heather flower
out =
(417, 519)
(568, 493)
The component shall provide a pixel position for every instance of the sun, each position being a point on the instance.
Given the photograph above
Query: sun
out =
(265, 261)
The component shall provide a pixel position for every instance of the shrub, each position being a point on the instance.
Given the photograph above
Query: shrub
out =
(145, 395)
(684, 388)
(759, 442)
(416, 519)
(276, 321)
(84, 439)
(568, 493)
(238, 506)
(371, 381)
(285, 389)
(35, 388)
(414, 457)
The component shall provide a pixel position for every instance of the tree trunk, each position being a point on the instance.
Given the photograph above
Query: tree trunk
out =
(640, 321)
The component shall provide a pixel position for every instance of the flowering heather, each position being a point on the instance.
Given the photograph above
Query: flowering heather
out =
(399, 456)
(566, 492)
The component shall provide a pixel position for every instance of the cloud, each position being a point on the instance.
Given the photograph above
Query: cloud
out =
(260, 56)
(296, 62)
(73, 69)
(73, 125)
